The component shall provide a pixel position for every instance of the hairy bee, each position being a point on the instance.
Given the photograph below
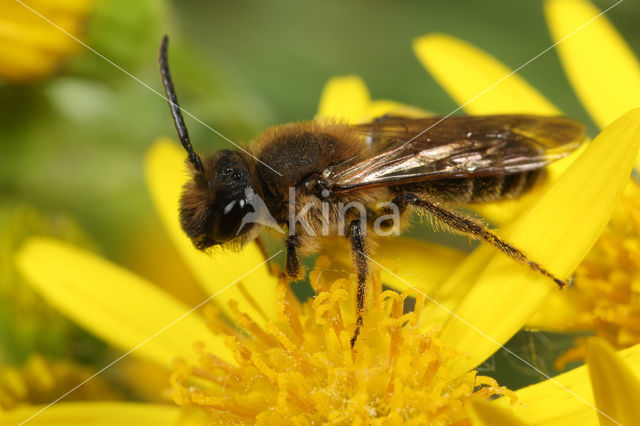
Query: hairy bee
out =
(321, 178)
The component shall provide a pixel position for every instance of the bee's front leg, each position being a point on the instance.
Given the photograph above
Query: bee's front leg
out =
(292, 266)
(362, 268)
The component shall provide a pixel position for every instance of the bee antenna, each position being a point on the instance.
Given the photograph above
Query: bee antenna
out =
(176, 113)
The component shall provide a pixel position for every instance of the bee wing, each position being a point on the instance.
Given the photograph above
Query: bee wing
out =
(401, 151)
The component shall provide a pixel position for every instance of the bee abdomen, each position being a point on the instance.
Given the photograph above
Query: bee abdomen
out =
(486, 189)
(477, 190)
(496, 188)
(519, 183)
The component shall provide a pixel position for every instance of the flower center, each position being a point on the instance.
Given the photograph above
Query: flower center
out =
(607, 283)
(302, 370)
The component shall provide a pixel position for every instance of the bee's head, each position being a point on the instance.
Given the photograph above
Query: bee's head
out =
(220, 195)
(217, 203)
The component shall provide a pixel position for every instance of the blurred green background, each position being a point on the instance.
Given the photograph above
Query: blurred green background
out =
(73, 145)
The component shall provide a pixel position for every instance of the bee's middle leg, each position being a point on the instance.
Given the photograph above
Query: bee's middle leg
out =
(356, 235)
(292, 266)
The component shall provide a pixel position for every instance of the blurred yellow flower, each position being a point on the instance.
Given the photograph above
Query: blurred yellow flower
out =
(17, 299)
(32, 48)
(484, 299)
(42, 380)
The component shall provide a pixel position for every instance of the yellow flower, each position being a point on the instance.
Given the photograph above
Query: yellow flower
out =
(16, 298)
(32, 48)
(610, 381)
(132, 314)
(482, 302)
(41, 380)
(604, 297)
(279, 364)
(606, 77)
(300, 368)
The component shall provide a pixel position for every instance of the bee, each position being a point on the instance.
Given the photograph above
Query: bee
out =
(309, 171)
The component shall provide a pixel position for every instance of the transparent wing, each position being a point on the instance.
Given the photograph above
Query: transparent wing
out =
(401, 151)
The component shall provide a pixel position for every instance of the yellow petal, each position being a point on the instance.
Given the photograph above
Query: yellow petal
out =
(600, 65)
(490, 414)
(416, 262)
(20, 64)
(405, 262)
(616, 387)
(557, 313)
(454, 288)
(166, 174)
(556, 232)
(113, 303)
(380, 107)
(566, 310)
(567, 399)
(345, 98)
(466, 72)
(505, 211)
(94, 414)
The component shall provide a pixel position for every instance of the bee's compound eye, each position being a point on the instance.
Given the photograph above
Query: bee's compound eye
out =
(228, 220)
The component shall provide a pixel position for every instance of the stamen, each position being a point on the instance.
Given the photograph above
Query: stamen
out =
(301, 369)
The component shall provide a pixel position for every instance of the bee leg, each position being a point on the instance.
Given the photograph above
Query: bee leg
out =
(465, 225)
(293, 264)
(361, 265)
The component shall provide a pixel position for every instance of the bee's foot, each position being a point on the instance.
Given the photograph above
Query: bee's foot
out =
(356, 333)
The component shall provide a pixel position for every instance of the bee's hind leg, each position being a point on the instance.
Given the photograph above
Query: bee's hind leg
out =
(462, 224)
(362, 269)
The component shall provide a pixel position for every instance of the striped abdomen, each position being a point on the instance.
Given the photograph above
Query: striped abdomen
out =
(477, 190)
